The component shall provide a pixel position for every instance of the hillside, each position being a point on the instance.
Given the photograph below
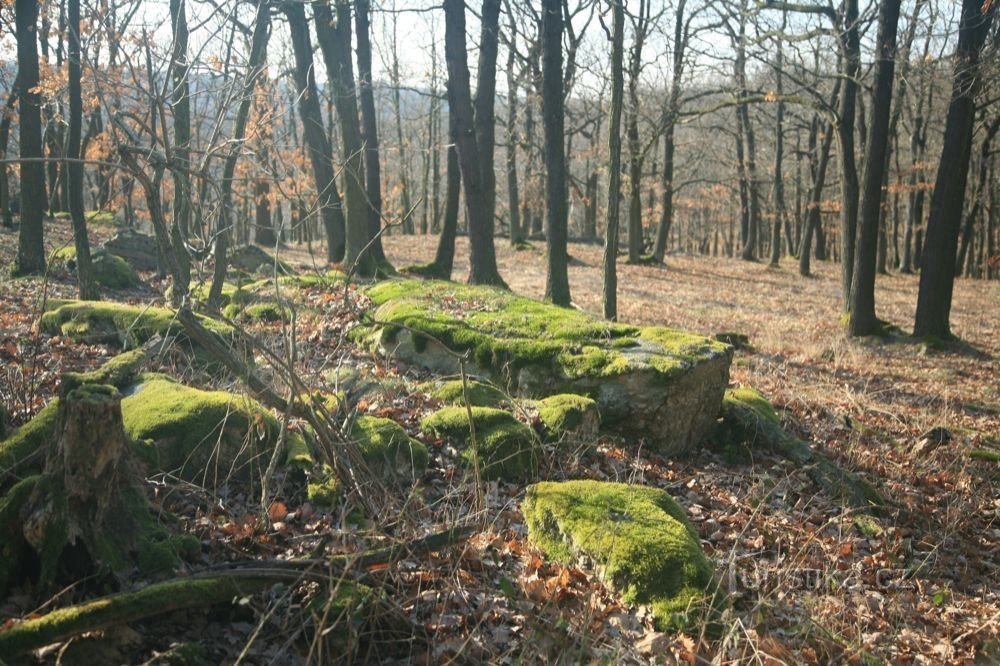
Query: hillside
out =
(806, 580)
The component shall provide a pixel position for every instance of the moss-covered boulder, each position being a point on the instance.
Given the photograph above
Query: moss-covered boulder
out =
(193, 432)
(253, 260)
(116, 323)
(110, 271)
(656, 383)
(261, 311)
(507, 449)
(388, 450)
(637, 538)
(477, 394)
(567, 415)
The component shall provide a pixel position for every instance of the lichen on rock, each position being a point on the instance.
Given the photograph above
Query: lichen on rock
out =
(636, 537)
(507, 449)
(652, 382)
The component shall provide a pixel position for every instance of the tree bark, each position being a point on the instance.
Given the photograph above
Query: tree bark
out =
(862, 301)
(314, 136)
(938, 261)
(369, 124)
(30, 250)
(87, 287)
(850, 44)
(978, 195)
(553, 114)
(255, 65)
(334, 37)
(610, 296)
(474, 134)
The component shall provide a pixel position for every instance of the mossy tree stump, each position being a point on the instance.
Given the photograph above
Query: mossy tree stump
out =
(78, 515)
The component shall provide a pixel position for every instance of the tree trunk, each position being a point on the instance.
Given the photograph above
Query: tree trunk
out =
(30, 250)
(513, 193)
(88, 289)
(8, 113)
(369, 124)
(938, 261)
(779, 149)
(334, 37)
(181, 106)
(314, 136)
(256, 62)
(264, 229)
(814, 222)
(610, 296)
(557, 276)
(404, 159)
(444, 258)
(862, 301)
(670, 115)
(474, 136)
(850, 45)
(978, 195)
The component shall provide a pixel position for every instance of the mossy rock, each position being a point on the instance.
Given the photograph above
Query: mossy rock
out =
(261, 311)
(177, 427)
(752, 399)
(388, 450)
(507, 449)
(637, 537)
(650, 382)
(99, 217)
(109, 271)
(567, 415)
(252, 259)
(116, 323)
(480, 394)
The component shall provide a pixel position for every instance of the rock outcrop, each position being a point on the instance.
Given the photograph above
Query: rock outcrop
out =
(655, 383)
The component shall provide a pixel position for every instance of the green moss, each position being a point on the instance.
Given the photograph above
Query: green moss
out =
(159, 552)
(985, 454)
(21, 453)
(507, 448)
(119, 371)
(13, 547)
(90, 322)
(480, 394)
(753, 400)
(187, 425)
(639, 538)
(387, 449)
(324, 488)
(109, 271)
(261, 311)
(505, 332)
(566, 413)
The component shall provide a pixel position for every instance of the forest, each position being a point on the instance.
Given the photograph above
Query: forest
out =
(560, 331)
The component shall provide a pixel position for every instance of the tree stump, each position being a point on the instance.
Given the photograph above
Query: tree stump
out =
(81, 515)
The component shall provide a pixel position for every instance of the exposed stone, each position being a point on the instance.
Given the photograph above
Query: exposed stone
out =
(137, 249)
(656, 383)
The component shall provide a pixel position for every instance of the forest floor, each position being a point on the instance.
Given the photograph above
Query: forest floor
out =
(808, 580)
